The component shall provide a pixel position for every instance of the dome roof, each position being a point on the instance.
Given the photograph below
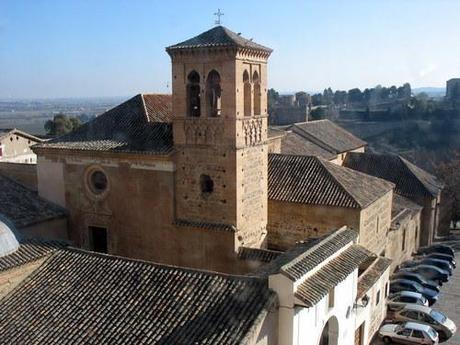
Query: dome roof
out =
(8, 241)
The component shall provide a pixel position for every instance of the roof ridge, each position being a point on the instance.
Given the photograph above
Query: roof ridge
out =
(411, 167)
(144, 106)
(321, 241)
(334, 177)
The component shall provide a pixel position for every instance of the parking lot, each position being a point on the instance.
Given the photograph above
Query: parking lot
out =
(449, 299)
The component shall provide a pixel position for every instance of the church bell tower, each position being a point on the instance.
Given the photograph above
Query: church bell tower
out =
(219, 85)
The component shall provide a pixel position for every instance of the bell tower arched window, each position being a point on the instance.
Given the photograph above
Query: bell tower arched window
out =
(257, 94)
(247, 94)
(193, 94)
(213, 94)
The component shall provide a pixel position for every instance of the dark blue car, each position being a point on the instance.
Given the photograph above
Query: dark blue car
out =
(437, 248)
(418, 278)
(398, 285)
(429, 272)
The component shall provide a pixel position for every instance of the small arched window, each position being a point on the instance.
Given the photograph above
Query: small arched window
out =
(257, 93)
(193, 94)
(247, 94)
(213, 94)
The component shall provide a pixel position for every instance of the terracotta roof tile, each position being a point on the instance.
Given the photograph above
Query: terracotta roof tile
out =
(28, 251)
(315, 287)
(410, 180)
(141, 125)
(312, 180)
(79, 297)
(371, 275)
(23, 207)
(256, 254)
(295, 144)
(328, 135)
(218, 36)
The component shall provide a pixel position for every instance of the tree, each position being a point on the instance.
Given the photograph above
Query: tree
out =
(318, 113)
(61, 124)
(450, 173)
(355, 95)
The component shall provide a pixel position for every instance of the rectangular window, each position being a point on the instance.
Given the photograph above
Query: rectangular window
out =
(331, 297)
(403, 244)
(98, 238)
(386, 289)
(377, 298)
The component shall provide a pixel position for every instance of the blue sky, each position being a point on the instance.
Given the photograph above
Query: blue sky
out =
(85, 48)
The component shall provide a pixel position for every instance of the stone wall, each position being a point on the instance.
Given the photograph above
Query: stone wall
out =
(25, 174)
(377, 311)
(374, 224)
(53, 229)
(403, 241)
(138, 212)
(289, 223)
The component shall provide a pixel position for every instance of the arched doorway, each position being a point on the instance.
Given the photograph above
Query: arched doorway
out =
(330, 334)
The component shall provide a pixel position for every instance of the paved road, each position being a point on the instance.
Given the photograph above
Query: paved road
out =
(449, 299)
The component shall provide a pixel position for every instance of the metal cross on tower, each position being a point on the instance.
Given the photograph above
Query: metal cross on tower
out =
(218, 14)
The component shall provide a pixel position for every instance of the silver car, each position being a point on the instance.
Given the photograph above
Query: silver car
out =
(411, 312)
(399, 300)
(409, 333)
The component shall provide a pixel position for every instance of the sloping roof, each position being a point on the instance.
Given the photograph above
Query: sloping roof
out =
(296, 144)
(28, 251)
(23, 207)
(328, 135)
(312, 180)
(318, 285)
(14, 131)
(410, 180)
(306, 255)
(218, 36)
(372, 274)
(142, 125)
(402, 208)
(79, 297)
(256, 254)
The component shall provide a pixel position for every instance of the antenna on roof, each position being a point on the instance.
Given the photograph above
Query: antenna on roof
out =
(218, 14)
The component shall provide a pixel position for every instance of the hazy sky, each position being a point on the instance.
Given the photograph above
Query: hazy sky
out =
(82, 48)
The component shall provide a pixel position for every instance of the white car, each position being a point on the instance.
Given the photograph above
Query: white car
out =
(409, 333)
(418, 313)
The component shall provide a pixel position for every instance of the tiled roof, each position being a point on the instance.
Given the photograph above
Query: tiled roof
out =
(218, 36)
(204, 225)
(78, 297)
(142, 124)
(312, 180)
(328, 135)
(256, 254)
(28, 251)
(315, 287)
(371, 275)
(402, 208)
(410, 180)
(304, 256)
(295, 144)
(14, 131)
(23, 207)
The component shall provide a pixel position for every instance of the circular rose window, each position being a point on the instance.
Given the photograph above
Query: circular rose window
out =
(97, 182)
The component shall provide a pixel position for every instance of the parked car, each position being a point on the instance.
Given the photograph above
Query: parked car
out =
(398, 300)
(408, 333)
(398, 285)
(429, 272)
(418, 313)
(437, 248)
(430, 284)
(445, 265)
(440, 256)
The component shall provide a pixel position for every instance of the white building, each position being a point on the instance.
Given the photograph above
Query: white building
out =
(15, 146)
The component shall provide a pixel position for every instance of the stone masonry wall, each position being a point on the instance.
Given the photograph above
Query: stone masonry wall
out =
(374, 224)
(25, 174)
(289, 223)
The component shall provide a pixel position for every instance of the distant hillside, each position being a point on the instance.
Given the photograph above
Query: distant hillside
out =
(431, 91)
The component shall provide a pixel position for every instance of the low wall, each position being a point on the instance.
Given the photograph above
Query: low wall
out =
(25, 174)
